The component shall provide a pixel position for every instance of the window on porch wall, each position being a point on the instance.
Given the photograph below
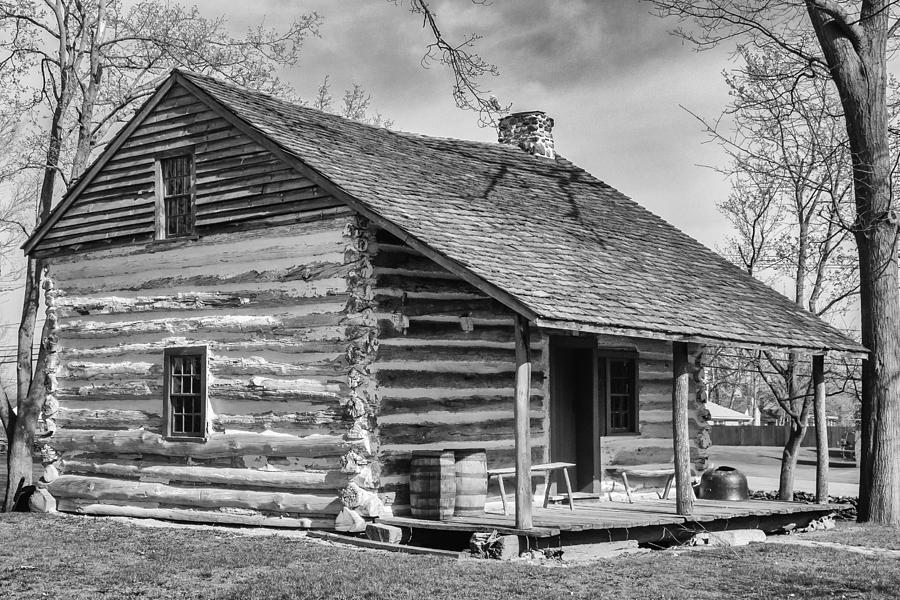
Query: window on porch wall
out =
(618, 393)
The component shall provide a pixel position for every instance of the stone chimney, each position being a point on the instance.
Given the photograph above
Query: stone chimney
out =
(531, 131)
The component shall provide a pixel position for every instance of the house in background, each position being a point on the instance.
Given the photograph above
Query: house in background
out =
(722, 415)
(264, 309)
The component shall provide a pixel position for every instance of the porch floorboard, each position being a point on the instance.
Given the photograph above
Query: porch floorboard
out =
(553, 520)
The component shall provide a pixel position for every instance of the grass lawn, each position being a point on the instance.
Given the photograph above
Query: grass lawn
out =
(859, 534)
(75, 558)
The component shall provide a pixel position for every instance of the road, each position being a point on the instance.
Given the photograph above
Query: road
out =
(761, 465)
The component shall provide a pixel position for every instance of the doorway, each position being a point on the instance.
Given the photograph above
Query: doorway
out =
(574, 413)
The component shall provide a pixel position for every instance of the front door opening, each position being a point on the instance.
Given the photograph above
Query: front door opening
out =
(574, 435)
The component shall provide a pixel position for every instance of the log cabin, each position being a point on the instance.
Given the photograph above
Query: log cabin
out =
(259, 310)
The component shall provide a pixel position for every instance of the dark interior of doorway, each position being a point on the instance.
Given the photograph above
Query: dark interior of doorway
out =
(573, 434)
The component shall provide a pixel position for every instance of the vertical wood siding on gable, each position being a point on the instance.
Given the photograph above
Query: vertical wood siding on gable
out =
(238, 183)
(442, 386)
(269, 304)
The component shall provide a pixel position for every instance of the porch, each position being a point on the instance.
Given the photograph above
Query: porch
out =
(645, 521)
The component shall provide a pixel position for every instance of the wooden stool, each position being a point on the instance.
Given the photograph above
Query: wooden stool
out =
(547, 469)
(624, 472)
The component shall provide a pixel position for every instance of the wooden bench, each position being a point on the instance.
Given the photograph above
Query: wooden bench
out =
(645, 471)
(547, 469)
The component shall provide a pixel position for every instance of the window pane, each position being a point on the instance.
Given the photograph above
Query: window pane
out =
(620, 393)
(186, 396)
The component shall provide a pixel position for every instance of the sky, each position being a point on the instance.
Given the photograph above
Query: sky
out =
(608, 72)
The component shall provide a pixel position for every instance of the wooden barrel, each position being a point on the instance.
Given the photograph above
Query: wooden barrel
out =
(471, 482)
(432, 484)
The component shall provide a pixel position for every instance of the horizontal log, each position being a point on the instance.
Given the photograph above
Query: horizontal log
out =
(427, 433)
(324, 388)
(219, 366)
(453, 305)
(232, 245)
(391, 405)
(444, 331)
(391, 284)
(291, 349)
(319, 313)
(506, 444)
(426, 366)
(216, 445)
(194, 516)
(69, 418)
(265, 295)
(635, 450)
(228, 477)
(289, 408)
(99, 489)
(398, 394)
(475, 416)
(656, 430)
(328, 422)
(395, 378)
(415, 353)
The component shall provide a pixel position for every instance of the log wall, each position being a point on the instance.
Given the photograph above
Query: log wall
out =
(653, 444)
(445, 368)
(278, 311)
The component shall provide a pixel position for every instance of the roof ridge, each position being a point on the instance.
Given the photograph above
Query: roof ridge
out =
(407, 134)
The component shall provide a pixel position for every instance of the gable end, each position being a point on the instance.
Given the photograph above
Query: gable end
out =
(238, 183)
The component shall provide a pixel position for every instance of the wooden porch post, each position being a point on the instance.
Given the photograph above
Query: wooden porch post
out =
(681, 373)
(818, 374)
(523, 431)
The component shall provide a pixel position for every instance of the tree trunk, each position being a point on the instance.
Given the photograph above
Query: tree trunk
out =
(789, 460)
(30, 307)
(19, 458)
(797, 410)
(857, 59)
(880, 473)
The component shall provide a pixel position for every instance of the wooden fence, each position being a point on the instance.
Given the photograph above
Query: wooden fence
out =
(770, 435)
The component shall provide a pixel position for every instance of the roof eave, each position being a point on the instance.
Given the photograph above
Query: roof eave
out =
(850, 350)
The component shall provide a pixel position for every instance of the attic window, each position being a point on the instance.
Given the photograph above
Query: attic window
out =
(177, 187)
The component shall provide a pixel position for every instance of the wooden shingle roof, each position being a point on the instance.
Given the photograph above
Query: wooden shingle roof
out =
(554, 242)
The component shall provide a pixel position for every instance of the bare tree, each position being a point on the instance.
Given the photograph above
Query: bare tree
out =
(356, 104)
(468, 68)
(848, 43)
(790, 167)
